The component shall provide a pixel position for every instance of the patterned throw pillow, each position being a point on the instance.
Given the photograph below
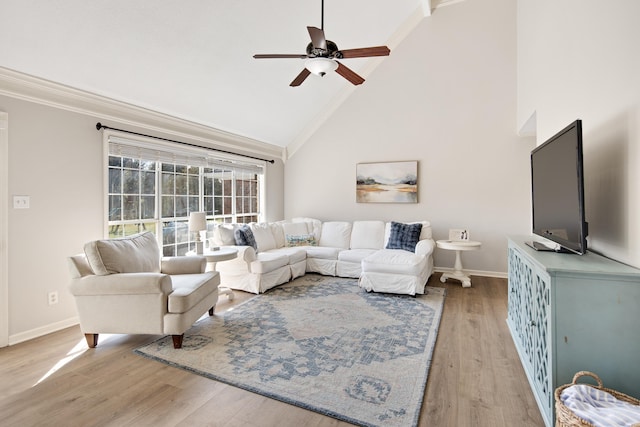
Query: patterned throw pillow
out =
(301, 240)
(244, 237)
(404, 236)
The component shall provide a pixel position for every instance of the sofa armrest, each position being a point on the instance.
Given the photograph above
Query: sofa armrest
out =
(241, 263)
(183, 265)
(121, 284)
(425, 247)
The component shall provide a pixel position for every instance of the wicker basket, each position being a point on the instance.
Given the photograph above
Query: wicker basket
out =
(566, 418)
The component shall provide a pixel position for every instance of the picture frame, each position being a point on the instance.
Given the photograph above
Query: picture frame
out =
(458, 234)
(387, 182)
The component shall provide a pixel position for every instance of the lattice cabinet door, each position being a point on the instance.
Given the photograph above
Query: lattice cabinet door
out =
(540, 327)
(529, 312)
(518, 272)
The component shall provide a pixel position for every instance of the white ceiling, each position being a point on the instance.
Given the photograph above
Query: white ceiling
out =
(193, 58)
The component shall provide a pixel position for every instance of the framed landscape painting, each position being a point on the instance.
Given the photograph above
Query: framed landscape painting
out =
(388, 182)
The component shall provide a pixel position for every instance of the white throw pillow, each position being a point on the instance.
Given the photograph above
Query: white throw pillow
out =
(224, 235)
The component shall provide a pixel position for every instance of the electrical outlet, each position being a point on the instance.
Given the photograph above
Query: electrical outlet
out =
(53, 297)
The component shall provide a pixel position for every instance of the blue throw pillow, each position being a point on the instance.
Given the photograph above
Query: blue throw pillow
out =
(244, 237)
(404, 236)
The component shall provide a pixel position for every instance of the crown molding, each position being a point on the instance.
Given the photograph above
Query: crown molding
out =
(22, 86)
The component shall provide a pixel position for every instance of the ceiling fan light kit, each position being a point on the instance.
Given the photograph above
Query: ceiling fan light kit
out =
(321, 55)
(320, 66)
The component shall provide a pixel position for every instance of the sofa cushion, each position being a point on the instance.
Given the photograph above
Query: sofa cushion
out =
(133, 254)
(355, 255)
(263, 236)
(244, 237)
(313, 225)
(404, 236)
(394, 261)
(367, 235)
(295, 254)
(277, 231)
(268, 261)
(335, 234)
(296, 229)
(322, 252)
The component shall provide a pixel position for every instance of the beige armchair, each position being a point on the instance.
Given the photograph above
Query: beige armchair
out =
(122, 286)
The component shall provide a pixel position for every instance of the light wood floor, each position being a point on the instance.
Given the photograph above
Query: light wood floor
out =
(475, 378)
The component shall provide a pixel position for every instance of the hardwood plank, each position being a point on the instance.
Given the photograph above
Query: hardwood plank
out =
(475, 378)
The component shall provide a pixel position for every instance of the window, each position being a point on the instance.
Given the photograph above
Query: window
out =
(154, 187)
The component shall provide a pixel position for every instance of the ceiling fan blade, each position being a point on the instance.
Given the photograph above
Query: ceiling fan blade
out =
(366, 52)
(278, 55)
(317, 38)
(348, 74)
(300, 78)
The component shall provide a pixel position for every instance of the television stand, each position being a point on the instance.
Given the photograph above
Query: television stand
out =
(544, 248)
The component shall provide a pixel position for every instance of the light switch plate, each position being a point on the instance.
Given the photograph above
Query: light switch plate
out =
(21, 202)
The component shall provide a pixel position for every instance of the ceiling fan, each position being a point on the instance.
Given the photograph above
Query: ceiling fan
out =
(322, 56)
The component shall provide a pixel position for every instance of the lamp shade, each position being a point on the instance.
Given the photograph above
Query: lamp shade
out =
(320, 66)
(197, 221)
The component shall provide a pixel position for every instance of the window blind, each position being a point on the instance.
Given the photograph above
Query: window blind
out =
(166, 152)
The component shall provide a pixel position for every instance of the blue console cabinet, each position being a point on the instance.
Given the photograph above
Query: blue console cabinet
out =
(570, 313)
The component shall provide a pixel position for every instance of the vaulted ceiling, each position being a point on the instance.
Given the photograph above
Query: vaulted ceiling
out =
(192, 59)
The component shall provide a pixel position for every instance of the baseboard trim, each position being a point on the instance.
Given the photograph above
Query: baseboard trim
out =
(44, 330)
(497, 274)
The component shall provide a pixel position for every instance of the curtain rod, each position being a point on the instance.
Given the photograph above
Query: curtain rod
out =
(100, 126)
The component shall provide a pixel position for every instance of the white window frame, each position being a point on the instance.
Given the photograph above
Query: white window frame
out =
(181, 155)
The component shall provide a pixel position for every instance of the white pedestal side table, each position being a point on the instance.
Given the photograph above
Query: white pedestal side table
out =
(458, 246)
(222, 254)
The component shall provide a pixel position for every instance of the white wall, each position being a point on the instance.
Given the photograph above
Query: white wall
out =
(55, 157)
(579, 59)
(446, 96)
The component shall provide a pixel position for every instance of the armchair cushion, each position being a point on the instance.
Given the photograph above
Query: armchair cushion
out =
(133, 254)
(190, 289)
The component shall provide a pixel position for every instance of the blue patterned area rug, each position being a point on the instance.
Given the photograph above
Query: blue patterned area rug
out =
(321, 343)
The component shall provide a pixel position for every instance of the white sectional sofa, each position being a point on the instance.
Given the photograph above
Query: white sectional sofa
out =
(285, 250)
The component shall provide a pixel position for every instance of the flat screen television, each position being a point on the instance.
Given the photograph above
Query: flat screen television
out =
(557, 187)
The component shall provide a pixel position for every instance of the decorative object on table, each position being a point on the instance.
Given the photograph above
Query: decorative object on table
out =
(586, 405)
(198, 223)
(458, 234)
(458, 246)
(388, 182)
(312, 344)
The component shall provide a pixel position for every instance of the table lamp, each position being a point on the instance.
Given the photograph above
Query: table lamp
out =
(198, 223)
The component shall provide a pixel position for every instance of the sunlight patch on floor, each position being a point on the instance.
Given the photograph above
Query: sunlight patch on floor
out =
(76, 351)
